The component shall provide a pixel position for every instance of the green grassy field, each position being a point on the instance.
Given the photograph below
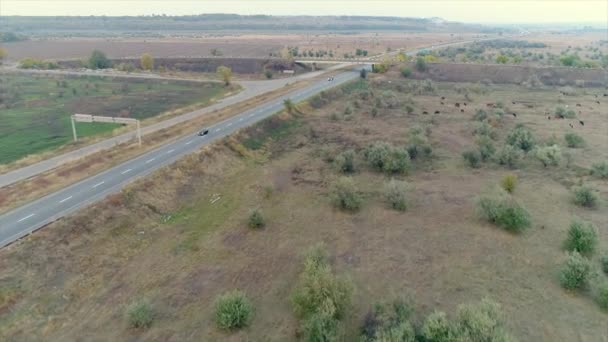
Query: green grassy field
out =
(35, 110)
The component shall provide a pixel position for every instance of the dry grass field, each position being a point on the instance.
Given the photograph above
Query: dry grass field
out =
(243, 45)
(179, 238)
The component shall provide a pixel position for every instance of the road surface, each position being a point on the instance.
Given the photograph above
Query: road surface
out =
(30, 217)
(251, 90)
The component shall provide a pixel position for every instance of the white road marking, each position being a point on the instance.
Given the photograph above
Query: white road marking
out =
(126, 171)
(171, 150)
(98, 184)
(25, 218)
(150, 160)
(217, 130)
(250, 115)
(189, 142)
(65, 199)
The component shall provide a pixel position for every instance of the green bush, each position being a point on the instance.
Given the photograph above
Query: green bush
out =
(395, 193)
(418, 147)
(345, 195)
(406, 72)
(388, 322)
(480, 115)
(509, 156)
(604, 262)
(140, 314)
(562, 112)
(502, 210)
(485, 129)
(437, 328)
(472, 158)
(548, 155)
(574, 140)
(600, 169)
(575, 271)
(585, 197)
(320, 298)
(233, 311)
(486, 148)
(385, 157)
(256, 219)
(345, 161)
(602, 297)
(582, 237)
(481, 321)
(521, 138)
(421, 64)
(98, 60)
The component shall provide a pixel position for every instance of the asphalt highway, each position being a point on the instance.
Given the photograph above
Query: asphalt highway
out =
(35, 215)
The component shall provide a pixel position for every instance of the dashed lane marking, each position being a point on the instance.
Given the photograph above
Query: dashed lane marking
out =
(126, 171)
(98, 184)
(65, 199)
(25, 218)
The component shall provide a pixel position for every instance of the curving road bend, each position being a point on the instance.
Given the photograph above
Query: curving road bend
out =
(30, 217)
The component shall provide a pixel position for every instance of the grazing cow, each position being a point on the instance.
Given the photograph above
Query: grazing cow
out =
(513, 102)
(571, 125)
(578, 104)
(443, 97)
(465, 103)
(442, 103)
(425, 112)
(514, 115)
(548, 118)
(598, 102)
(462, 110)
(581, 122)
(605, 95)
(490, 105)
(457, 105)
(436, 112)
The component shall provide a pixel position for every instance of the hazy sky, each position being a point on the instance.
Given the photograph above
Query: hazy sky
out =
(502, 11)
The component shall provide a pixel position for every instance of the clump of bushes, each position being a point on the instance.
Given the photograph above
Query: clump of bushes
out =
(600, 170)
(139, 314)
(582, 238)
(387, 158)
(472, 158)
(320, 299)
(548, 155)
(406, 72)
(504, 211)
(575, 272)
(395, 193)
(233, 311)
(562, 113)
(345, 195)
(585, 197)
(486, 148)
(256, 219)
(574, 140)
(388, 322)
(418, 146)
(509, 182)
(485, 129)
(345, 161)
(521, 138)
(509, 156)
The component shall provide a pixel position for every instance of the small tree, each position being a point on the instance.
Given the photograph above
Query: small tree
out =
(345, 161)
(256, 219)
(509, 156)
(98, 60)
(575, 271)
(585, 197)
(522, 138)
(600, 170)
(395, 193)
(548, 155)
(582, 238)
(406, 72)
(574, 140)
(486, 148)
(345, 195)
(472, 158)
(504, 211)
(225, 73)
(146, 61)
(233, 311)
(139, 314)
(421, 64)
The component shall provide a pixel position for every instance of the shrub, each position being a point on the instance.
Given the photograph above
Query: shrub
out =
(548, 155)
(485, 129)
(574, 140)
(256, 219)
(602, 297)
(233, 311)
(582, 237)
(268, 74)
(472, 158)
(406, 72)
(320, 298)
(98, 60)
(388, 322)
(140, 314)
(418, 147)
(502, 210)
(421, 64)
(486, 148)
(345, 161)
(521, 137)
(409, 109)
(604, 262)
(509, 182)
(395, 193)
(385, 157)
(561, 112)
(345, 194)
(482, 321)
(575, 272)
(600, 170)
(437, 328)
(509, 156)
(585, 197)
(480, 115)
